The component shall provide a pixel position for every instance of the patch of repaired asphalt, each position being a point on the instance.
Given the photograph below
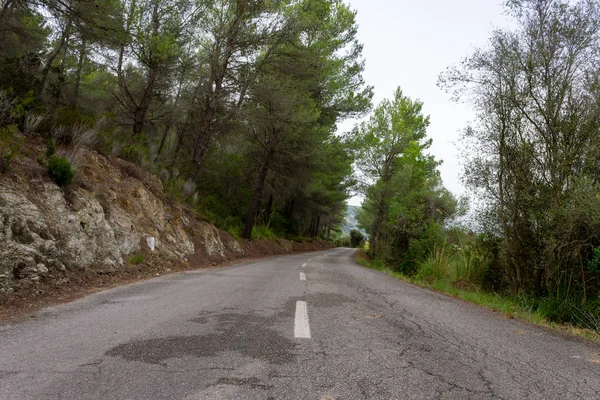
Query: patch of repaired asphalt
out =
(248, 334)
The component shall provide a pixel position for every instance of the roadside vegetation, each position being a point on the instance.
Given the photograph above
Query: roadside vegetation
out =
(531, 243)
(233, 104)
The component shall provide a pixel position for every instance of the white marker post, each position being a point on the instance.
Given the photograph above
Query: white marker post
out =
(302, 276)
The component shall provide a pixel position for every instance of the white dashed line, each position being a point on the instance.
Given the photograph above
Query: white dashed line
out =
(303, 265)
(301, 326)
(302, 276)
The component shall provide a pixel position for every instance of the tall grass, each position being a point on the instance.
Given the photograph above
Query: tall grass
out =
(453, 264)
(263, 232)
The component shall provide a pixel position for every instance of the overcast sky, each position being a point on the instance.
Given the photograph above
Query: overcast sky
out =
(408, 43)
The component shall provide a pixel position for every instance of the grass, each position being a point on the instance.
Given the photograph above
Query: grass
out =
(263, 232)
(503, 304)
(136, 259)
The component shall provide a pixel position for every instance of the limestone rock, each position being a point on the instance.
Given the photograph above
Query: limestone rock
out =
(47, 231)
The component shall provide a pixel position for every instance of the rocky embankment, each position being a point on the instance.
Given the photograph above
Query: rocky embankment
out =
(115, 217)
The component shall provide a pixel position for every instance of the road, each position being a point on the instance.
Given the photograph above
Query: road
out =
(304, 326)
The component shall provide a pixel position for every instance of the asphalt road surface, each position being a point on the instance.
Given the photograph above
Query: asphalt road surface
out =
(305, 326)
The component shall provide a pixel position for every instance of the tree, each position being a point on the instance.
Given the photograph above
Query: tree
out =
(356, 238)
(533, 153)
(417, 209)
(296, 100)
(379, 143)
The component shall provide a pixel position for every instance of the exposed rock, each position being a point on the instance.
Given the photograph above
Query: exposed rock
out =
(47, 230)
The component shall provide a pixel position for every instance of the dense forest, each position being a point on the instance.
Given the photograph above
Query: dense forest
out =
(234, 104)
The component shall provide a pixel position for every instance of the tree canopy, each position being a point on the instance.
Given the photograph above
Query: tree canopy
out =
(234, 104)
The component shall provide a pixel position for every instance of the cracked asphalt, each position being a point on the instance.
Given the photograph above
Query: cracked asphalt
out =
(228, 333)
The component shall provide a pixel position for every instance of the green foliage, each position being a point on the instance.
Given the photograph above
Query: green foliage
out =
(50, 148)
(343, 241)
(136, 259)
(22, 105)
(235, 231)
(594, 263)
(60, 170)
(135, 151)
(420, 247)
(263, 232)
(532, 154)
(10, 146)
(357, 239)
(405, 202)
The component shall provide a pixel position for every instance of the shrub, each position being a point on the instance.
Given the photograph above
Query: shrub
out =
(356, 238)
(420, 248)
(50, 148)
(262, 232)
(136, 259)
(10, 145)
(60, 170)
(344, 241)
(235, 230)
(437, 266)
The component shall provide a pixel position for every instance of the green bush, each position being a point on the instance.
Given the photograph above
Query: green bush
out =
(10, 145)
(344, 241)
(356, 238)
(50, 148)
(136, 259)
(419, 249)
(234, 228)
(263, 232)
(437, 266)
(60, 170)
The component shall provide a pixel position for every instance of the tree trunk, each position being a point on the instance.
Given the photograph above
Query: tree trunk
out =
(211, 101)
(202, 141)
(269, 210)
(256, 195)
(122, 47)
(79, 69)
(52, 56)
(179, 142)
(139, 115)
(378, 223)
(170, 121)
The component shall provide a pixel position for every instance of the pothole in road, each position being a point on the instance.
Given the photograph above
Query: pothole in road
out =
(244, 333)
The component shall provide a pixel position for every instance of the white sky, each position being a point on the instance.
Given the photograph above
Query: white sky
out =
(408, 43)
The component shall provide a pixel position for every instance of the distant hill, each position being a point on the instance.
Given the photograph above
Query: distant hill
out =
(350, 221)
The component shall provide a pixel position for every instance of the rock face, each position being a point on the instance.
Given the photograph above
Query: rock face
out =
(113, 210)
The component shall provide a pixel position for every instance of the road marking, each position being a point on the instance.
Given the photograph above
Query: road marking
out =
(301, 326)
(303, 265)
(302, 276)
